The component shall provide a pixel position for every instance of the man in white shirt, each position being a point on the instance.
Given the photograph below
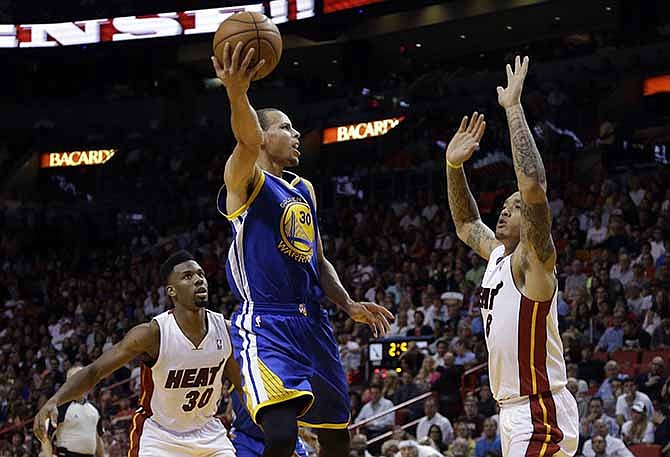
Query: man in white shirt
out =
(596, 234)
(622, 270)
(625, 402)
(605, 446)
(433, 417)
(376, 405)
(400, 326)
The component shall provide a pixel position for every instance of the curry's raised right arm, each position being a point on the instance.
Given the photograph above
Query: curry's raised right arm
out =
(236, 78)
(469, 226)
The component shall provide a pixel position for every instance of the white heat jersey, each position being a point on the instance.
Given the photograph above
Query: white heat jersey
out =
(525, 348)
(182, 390)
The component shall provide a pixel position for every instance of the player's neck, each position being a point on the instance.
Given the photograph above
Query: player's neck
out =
(190, 319)
(270, 166)
(510, 246)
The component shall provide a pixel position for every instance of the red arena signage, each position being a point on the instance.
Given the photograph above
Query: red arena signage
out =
(360, 131)
(76, 158)
(141, 27)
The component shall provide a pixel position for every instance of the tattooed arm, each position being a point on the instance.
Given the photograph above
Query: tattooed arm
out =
(536, 256)
(469, 226)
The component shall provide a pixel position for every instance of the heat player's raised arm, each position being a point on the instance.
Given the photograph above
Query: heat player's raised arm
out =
(469, 226)
(535, 257)
(236, 76)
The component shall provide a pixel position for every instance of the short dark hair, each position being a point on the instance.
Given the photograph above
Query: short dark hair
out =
(598, 399)
(264, 118)
(175, 259)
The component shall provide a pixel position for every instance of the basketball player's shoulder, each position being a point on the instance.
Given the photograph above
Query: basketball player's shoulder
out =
(497, 254)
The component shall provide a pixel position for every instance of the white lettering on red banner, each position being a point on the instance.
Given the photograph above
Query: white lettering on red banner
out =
(141, 27)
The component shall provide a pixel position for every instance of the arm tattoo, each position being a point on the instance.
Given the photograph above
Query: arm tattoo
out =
(536, 229)
(461, 202)
(527, 161)
(464, 211)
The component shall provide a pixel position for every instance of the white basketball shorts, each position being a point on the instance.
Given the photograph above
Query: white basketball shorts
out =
(541, 425)
(148, 439)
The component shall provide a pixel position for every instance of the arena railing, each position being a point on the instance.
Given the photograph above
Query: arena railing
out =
(468, 383)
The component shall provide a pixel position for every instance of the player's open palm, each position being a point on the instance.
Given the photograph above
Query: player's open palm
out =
(511, 95)
(235, 75)
(377, 317)
(48, 412)
(466, 140)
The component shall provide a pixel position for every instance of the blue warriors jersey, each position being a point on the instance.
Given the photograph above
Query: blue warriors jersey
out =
(274, 243)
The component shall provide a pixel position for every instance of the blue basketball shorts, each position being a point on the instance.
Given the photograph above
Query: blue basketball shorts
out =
(288, 352)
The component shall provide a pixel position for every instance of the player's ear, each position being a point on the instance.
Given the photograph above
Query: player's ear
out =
(171, 291)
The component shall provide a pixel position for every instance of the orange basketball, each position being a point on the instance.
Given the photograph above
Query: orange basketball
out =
(254, 30)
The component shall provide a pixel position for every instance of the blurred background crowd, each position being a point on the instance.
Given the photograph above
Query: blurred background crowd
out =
(80, 248)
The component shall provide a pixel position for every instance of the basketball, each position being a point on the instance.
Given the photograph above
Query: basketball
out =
(254, 30)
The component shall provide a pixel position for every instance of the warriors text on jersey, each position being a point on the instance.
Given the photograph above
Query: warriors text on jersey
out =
(182, 389)
(274, 243)
(525, 347)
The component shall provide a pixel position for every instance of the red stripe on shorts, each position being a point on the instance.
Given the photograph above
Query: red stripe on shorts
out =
(136, 434)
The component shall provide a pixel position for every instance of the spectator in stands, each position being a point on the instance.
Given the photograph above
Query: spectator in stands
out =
(603, 445)
(471, 417)
(612, 339)
(622, 270)
(639, 429)
(433, 417)
(447, 385)
(490, 440)
(390, 385)
(487, 404)
(462, 355)
(476, 272)
(419, 328)
(359, 446)
(460, 447)
(400, 326)
(596, 234)
(630, 398)
(406, 391)
(661, 423)
(590, 369)
(651, 383)
(596, 413)
(435, 434)
(661, 336)
(606, 390)
(410, 448)
(634, 338)
(376, 405)
(576, 280)
(390, 448)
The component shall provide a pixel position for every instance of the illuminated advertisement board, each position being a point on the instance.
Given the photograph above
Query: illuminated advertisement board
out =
(192, 22)
(76, 158)
(330, 6)
(360, 130)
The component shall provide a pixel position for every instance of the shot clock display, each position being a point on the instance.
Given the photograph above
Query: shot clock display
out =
(386, 352)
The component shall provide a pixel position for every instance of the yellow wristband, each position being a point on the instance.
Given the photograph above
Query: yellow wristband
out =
(451, 165)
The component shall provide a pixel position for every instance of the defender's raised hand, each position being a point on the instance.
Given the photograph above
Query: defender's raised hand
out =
(511, 95)
(465, 141)
(236, 76)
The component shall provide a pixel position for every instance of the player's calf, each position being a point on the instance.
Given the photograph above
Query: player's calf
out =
(280, 429)
(333, 442)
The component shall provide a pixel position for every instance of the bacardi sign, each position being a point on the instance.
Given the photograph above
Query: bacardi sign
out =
(76, 158)
(360, 130)
(80, 32)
